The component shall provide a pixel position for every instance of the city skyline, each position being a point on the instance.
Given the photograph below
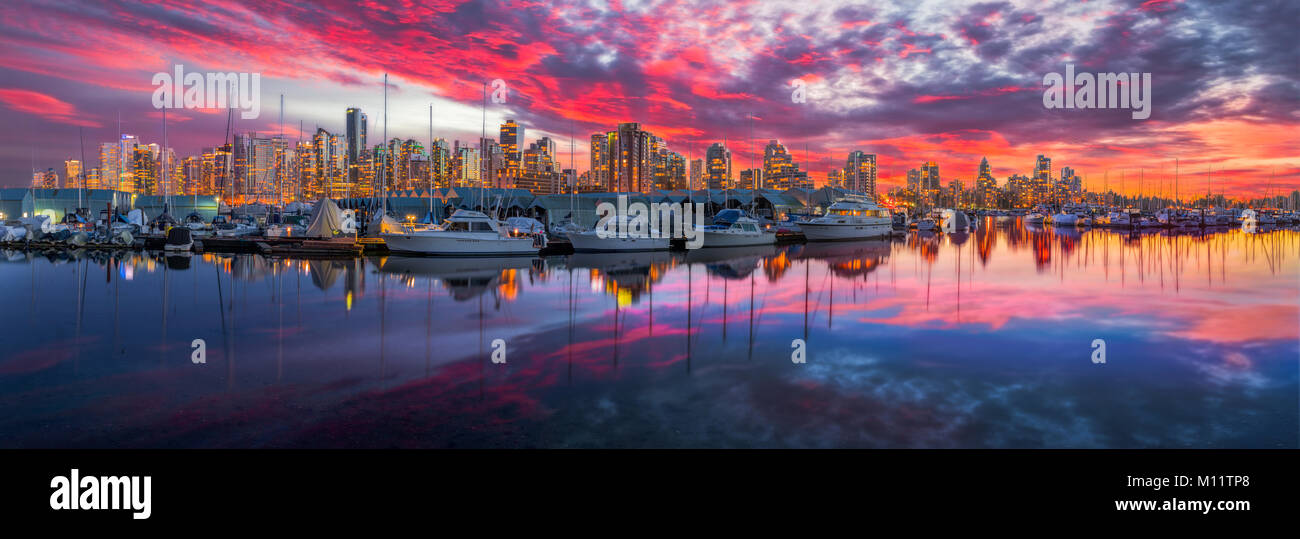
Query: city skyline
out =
(899, 85)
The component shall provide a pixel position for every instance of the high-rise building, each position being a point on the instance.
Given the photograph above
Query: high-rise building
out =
(512, 145)
(45, 179)
(440, 160)
(1041, 182)
(717, 167)
(930, 176)
(257, 166)
(72, 174)
(323, 167)
(600, 160)
(779, 169)
(751, 178)
(467, 166)
(860, 173)
(986, 187)
(357, 149)
(492, 160)
(630, 166)
(697, 173)
(192, 176)
(1071, 181)
(144, 170)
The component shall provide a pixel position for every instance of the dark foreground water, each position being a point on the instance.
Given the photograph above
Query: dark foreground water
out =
(981, 340)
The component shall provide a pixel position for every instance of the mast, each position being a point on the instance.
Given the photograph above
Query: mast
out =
(753, 174)
(279, 163)
(430, 163)
(81, 141)
(383, 180)
(166, 199)
(482, 132)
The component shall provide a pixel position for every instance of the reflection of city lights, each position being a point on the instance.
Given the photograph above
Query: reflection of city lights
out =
(624, 297)
(349, 300)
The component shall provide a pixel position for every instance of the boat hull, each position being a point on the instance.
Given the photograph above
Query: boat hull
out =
(458, 245)
(842, 232)
(591, 243)
(725, 239)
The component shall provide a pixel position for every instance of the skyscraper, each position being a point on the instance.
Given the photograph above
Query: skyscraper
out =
(717, 167)
(72, 176)
(860, 173)
(599, 170)
(512, 145)
(779, 169)
(986, 187)
(630, 167)
(356, 137)
(1041, 182)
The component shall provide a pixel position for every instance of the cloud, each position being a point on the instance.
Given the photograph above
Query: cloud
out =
(43, 105)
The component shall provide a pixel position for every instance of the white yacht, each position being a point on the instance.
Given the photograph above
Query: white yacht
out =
(741, 232)
(589, 241)
(853, 218)
(465, 233)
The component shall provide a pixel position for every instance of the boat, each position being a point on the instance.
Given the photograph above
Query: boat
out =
(239, 227)
(954, 221)
(923, 224)
(1064, 218)
(740, 232)
(853, 218)
(590, 241)
(465, 233)
(1117, 219)
(179, 238)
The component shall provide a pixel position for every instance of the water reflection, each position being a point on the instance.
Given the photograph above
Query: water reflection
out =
(930, 340)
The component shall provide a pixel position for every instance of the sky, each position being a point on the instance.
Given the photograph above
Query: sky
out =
(952, 82)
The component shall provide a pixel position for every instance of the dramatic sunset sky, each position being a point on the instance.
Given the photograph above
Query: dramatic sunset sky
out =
(948, 81)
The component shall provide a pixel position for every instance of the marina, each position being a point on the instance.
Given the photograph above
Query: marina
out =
(926, 339)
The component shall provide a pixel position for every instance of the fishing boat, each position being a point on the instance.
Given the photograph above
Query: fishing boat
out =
(853, 218)
(466, 232)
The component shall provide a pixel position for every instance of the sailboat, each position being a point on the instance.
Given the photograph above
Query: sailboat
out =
(741, 230)
(465, 233)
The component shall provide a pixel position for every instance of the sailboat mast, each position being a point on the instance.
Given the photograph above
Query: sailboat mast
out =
(383, 180)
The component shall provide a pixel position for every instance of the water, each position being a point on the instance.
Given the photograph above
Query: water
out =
(982, 340)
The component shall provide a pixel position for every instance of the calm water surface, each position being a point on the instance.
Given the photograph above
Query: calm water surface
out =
(979, 340)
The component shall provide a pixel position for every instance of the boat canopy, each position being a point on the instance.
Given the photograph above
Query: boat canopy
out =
(326, 221)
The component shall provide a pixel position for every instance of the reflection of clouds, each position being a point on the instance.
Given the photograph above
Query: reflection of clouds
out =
(1194, 361)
